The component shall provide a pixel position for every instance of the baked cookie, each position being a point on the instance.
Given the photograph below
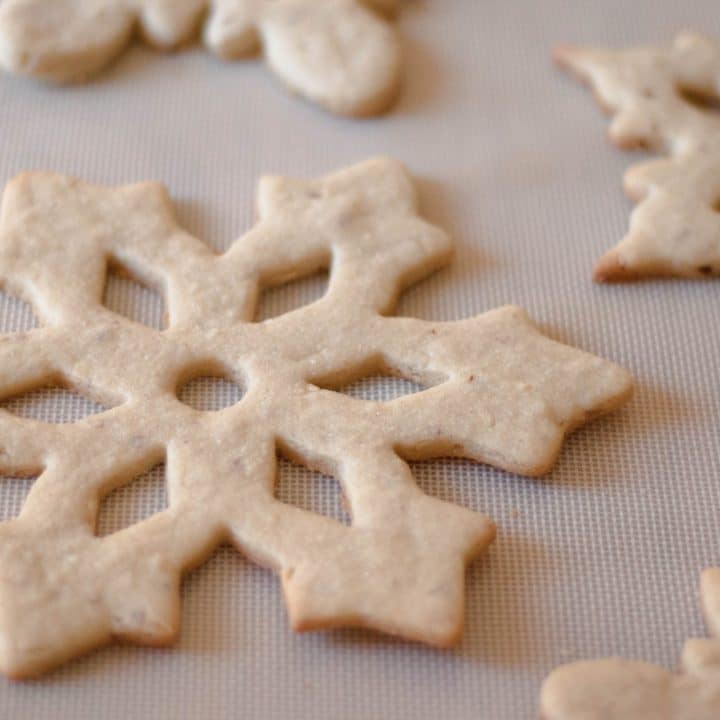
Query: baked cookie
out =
(341, 54)
(498, 391)
(660, 100)
(618, 689)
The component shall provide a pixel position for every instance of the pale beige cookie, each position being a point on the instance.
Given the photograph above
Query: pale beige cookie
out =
(341, 54)
(616, 689)
(498, 392)
(656, 96)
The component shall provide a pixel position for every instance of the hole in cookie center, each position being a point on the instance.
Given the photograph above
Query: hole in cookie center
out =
(209, 387)
(298, 485)
(292, 295)
(210, 393)
(701, 100)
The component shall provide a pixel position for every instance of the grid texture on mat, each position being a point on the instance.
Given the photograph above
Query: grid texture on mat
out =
(130, 504)
(601, 556)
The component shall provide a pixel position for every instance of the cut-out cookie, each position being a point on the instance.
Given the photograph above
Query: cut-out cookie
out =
(616, 689)
(656, 96)
(507, 396)
(341, 54)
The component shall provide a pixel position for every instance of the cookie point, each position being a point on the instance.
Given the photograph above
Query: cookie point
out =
(609, 269)
(567, 56)
(515, 312)
(27, 177)
(386, 164)
(711, 576)
(570, 689)
(561, 54)
(448, 639)
(687, 37)
(627, 382)
(489, 531)
(710, 593)
(552, 689)
(17, 666)
(21, 178)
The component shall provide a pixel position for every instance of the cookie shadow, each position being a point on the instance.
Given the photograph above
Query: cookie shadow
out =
(500, 627)
(216, 620)
(198, 219)
(435, 297)
(135, 61)
(110, 660)
(218, 602)
(358, 638)
(499, 624)
(609, 449)
(419, 88)
(502, 620)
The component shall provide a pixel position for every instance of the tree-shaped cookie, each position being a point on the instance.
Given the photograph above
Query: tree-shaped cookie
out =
(341, 54)
(498, 391)
(616, 689)
(662, 99)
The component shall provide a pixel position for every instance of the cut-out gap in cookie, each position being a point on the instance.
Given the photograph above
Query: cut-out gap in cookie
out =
(16, 315)
(210, 392)
(307, 489)
(380, 387)
(716, 205)
(452, 480)
(707, 102)
(125, 295)
(54, 402)
(13, 491)
(129, 504)
(378, 379)
(292, 295)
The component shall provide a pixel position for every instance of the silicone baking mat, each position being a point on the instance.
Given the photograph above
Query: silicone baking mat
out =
(600, 557)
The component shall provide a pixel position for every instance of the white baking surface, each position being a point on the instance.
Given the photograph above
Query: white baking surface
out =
(600, 557)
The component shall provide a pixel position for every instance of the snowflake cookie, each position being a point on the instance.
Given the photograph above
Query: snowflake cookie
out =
(498, 391)
(616, 689)
(665, 100)
(341, 54)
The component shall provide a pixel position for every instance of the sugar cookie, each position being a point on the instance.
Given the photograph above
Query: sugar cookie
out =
(341, 54)
(653, 94)
(498, 392)
(616, 689)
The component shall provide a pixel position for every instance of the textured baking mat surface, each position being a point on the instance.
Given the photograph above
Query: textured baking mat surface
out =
(601, 556)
